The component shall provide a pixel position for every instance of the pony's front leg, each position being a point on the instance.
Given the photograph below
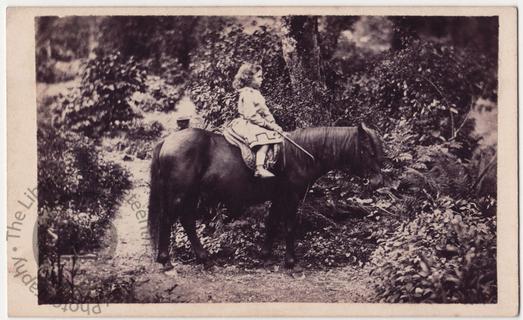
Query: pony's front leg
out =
(271, 224)
(290, 228)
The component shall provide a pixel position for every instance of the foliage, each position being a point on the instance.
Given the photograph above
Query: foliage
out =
(77, 195)
(236, 242)
(325, 237)
(436, 169)
(139, 140)
(444, 249)
(63, 282)
(70, 43)
(145, 131)
(45, 70)
(431, 84)
(52, 47)
(446, 254)
(102, 104)
(239, 242)
(159, 39)
(158, 96)
(77, 189)
(482, 167)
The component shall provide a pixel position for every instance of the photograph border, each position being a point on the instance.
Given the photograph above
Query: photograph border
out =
(22, 169)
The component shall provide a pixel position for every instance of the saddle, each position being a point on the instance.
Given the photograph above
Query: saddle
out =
(248, 155)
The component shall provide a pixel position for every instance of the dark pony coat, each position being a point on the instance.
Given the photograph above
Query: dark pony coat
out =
(193, 162)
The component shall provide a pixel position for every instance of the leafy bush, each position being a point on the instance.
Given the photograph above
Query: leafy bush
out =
(77, 195)
(447, 254)
(108, 82)
(418, 169)
(436, 169)
(159, 95)
(145, 131)
(139, 140)
(483, 167)
(444, 248)
(432, 84)
(236, 242)
(77, 189)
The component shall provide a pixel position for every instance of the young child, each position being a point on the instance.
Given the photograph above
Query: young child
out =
(256, 123)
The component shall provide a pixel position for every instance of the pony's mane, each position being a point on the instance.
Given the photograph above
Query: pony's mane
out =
(376, 142)
(327, 144)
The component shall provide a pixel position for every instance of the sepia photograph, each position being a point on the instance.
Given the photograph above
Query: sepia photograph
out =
(285, 158)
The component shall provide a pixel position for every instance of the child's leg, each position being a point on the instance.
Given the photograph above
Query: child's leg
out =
(261, 153)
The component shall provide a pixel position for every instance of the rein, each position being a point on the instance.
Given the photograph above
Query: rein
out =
(298, 146)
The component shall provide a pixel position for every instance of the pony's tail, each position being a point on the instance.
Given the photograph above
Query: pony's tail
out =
(156, 208)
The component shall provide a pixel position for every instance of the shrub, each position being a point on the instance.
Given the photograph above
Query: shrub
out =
(442, 248)
(102, 105)
(436, 170)
(159, 95)
(71, 171)
(433, 168)
(77, 191)
(145, 131)
(77, 196)
(323, 239)
(431, 84)
(447, 254)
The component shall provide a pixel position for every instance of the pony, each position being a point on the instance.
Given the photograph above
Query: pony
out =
(194, 162)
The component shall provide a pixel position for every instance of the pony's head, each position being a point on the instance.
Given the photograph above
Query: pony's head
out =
(371, 154)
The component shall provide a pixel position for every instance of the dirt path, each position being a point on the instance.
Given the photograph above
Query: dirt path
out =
(131, 263)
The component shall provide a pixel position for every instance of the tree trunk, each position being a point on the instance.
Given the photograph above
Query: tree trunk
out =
(301, 51)
(330, 28)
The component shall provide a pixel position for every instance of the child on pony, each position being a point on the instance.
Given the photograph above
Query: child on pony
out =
(256, 123)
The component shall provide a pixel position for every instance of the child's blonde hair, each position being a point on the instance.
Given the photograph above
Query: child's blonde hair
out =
(245, 75)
